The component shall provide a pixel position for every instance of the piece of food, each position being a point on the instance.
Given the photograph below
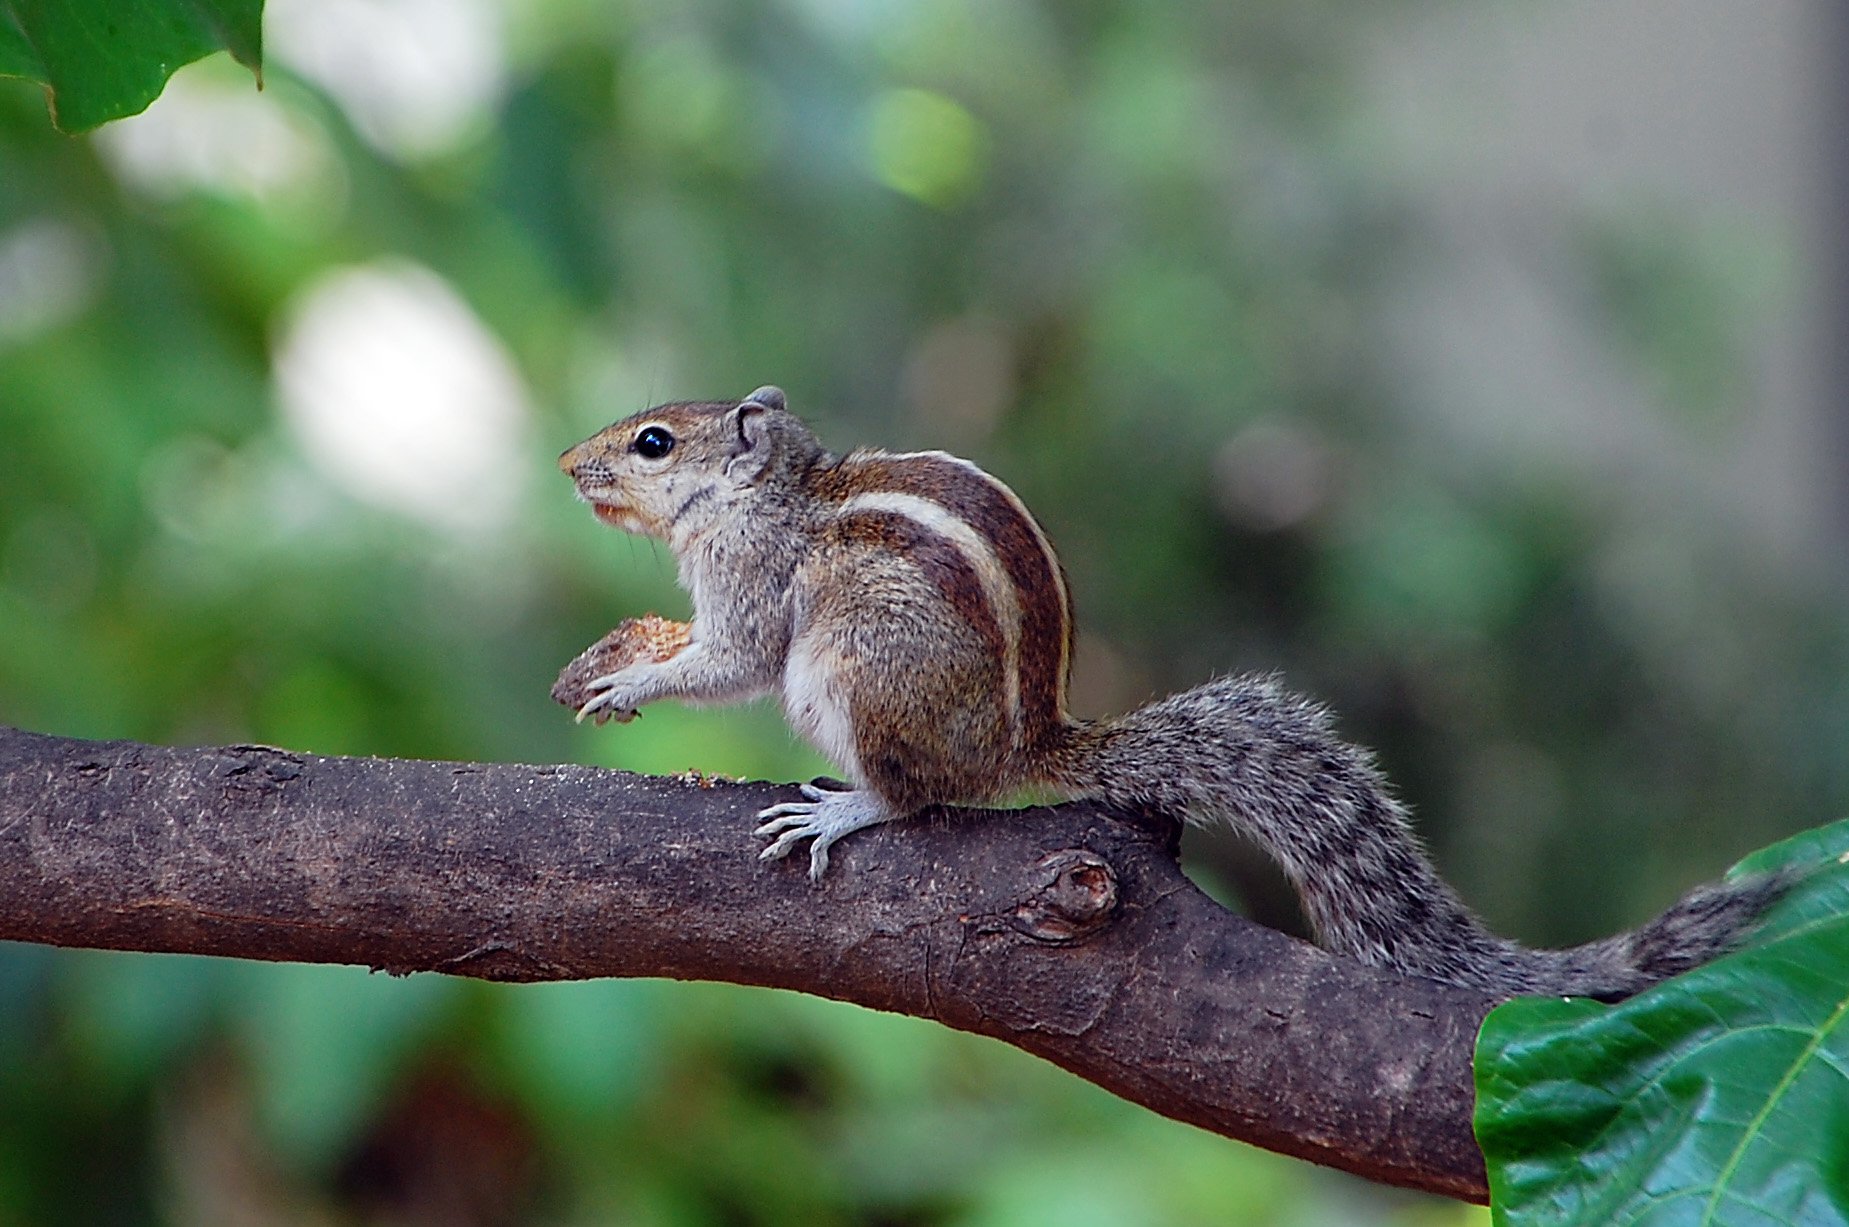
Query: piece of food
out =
(648, 638)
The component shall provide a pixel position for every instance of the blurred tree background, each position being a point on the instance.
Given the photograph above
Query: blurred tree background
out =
(1465, 365)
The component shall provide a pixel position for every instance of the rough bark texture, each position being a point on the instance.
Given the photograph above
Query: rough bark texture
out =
(1068, 932)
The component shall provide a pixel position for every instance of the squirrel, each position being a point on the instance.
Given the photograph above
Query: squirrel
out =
(916, 623)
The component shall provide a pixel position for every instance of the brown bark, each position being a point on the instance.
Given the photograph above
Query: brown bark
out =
(1068, 932)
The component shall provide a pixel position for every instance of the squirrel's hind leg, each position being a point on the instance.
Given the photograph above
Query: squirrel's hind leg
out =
(824, 817)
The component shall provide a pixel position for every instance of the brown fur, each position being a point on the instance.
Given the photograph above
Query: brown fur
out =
(955, 579)
(1017, 541)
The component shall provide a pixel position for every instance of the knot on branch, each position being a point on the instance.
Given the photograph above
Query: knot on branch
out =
(256, 771)
(1077, 896)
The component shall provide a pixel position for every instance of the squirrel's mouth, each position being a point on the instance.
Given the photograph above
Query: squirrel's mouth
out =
(616, 515)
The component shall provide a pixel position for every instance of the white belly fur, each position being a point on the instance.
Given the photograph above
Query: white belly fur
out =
(816, 711)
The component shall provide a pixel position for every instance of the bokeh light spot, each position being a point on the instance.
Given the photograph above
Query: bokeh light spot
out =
(402, 397)
(926, 146)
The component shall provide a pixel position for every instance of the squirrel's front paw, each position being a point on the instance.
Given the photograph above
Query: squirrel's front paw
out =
(824, 818)
(609, 701)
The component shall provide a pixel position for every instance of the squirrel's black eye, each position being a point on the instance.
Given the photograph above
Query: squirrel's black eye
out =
(653, 443)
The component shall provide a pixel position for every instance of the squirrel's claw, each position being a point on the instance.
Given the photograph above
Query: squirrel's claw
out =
(602, 707)
(823, 818)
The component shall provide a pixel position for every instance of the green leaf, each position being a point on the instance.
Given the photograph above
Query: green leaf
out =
(102, 59)
(1719, 1097)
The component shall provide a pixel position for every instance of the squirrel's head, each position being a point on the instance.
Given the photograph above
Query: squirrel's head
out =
(674, 470)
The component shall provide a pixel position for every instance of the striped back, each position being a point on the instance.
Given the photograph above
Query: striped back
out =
(978, 543)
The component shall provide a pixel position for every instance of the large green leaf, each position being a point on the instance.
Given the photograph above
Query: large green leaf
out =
(1719, 1097)
(102, 59)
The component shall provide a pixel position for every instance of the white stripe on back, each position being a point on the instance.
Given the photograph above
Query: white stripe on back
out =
(981, 557)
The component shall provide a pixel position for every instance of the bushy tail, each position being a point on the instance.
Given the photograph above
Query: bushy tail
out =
(1244, 752)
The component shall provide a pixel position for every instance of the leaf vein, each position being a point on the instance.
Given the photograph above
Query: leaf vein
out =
(1751, 1132)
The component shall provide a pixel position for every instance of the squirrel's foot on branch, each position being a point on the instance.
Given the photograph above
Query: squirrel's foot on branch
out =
(825, 817)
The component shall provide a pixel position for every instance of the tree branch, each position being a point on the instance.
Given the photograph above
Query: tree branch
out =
(1068, 932)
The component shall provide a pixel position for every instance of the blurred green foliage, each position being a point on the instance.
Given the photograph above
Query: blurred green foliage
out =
(281, 380)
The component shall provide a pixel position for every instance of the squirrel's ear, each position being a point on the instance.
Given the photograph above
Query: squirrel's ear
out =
(767, 396)
(751, 442)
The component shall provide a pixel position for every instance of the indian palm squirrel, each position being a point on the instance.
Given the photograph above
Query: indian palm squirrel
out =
(917, 626)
